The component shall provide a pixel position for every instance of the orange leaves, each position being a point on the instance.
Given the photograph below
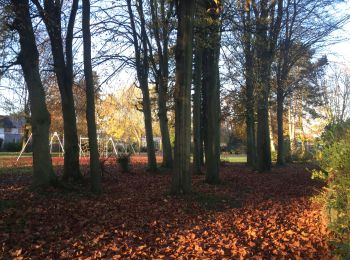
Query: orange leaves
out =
(251, 244)
(251, 233)
(16, 254)
(198, 249)
(290, 232)
(95, 240)
(134, 219)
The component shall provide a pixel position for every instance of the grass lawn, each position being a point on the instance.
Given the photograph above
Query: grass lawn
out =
(239, 158)
(16, 154)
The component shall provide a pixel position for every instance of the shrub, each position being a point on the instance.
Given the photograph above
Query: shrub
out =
(333, 156)
(124, 161)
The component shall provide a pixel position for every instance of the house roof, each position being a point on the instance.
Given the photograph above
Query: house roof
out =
(5, 122)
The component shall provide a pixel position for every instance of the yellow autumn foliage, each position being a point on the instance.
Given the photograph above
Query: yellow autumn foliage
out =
(119, 115)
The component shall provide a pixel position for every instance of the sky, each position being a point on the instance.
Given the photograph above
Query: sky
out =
(338, 53)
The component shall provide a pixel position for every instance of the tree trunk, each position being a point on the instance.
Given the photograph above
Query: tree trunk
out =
(95, 169)
(26, 131)
(266, 39)
(181, 179)
(249, 82)
(146, 108)
(71, 168)
(263, 133)
(197, 140)
(211, 77)
(213, 118)
(280, 148)
(29, 59)
(63, 66)
(268, 26)
(163, 123)
(204, 106)
(160, 30)
(250, 118)
(140, 42)
(291, 129)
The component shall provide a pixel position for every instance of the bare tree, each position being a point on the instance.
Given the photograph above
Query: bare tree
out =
(336, 95)
(161, 27)
(140, 42)
(62, 55)
(95, 169)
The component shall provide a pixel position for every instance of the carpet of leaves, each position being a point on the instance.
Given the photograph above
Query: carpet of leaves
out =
(249, 215)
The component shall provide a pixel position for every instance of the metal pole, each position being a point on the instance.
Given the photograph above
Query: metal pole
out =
(24, 147)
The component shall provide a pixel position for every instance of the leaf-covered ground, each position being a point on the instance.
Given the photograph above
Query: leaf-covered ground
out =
(249, 215)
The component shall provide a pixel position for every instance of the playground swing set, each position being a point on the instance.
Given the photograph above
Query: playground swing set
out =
(108, 147)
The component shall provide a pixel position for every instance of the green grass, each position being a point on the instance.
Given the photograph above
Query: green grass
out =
(14, 154)
(224, 157)
(234, 158)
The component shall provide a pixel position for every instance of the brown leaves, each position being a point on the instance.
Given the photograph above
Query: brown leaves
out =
(133, 218)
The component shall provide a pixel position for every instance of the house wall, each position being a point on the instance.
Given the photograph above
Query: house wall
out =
(10, 131)
(2, 135)
(12, 138)
(11, 135)
(13, 131)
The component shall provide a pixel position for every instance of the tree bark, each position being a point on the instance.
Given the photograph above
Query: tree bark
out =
(43, 174)
(211, 77)
(197, 140)
(161, 35)
(250, 124)
(268, 26)
(63, 66)
(280, 148)
(146, 108)
(250, 118)
(249, 84)
(163, 124)
(181, 179)
(212, 161)
(263, 133)
(71, 170)
(26, 130)
(204, 106)
(95, 169)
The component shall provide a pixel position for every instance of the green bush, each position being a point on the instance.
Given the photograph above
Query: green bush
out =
(334, 158)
